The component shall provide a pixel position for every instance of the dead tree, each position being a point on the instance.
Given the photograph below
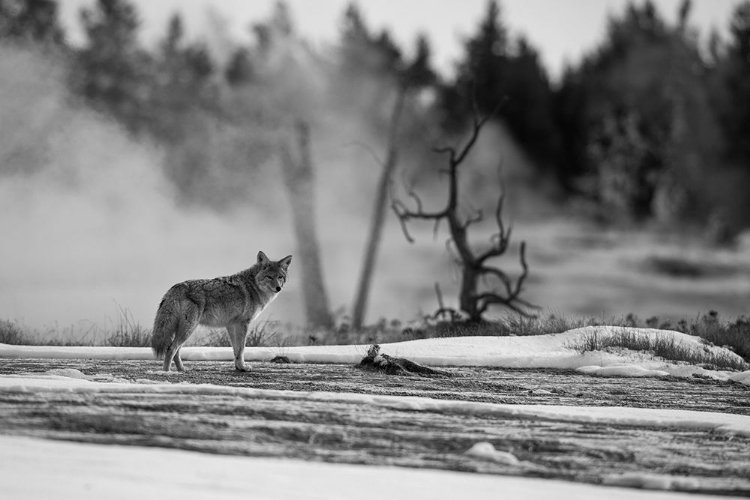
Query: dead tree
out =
(299, 179)
(473, 264)
(378, 214)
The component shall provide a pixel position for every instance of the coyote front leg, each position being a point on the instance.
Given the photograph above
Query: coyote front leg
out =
(237, 335)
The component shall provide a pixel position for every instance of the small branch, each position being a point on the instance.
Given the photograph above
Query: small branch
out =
(488, 299)
(477, 217)
(447, 150)
(525, 268)
(402, 218)
(369, 149)
(417, 200)
(501, 239)
(441, 307)
(501, 276)
(435, 228)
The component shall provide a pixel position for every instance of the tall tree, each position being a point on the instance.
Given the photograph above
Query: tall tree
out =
(299, 178)
(637, 119)
(410, 78)
(181, 86)
(284, 59)
(113, 71)
(496, 68)
(735, 70)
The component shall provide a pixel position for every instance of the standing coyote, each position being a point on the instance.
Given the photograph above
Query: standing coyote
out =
(231, 301)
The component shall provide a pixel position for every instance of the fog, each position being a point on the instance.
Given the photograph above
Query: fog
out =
(91, 224)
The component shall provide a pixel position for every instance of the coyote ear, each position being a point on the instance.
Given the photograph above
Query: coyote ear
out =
(285, 261)
(262, 259)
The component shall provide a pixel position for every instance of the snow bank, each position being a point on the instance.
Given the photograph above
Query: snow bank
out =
(542, 351)
(639, 417)
(36, 469)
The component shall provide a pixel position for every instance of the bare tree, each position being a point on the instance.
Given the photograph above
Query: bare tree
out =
(474, 265)
(378, 213)
(299, 178)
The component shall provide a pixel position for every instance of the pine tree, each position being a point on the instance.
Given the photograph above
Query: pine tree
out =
(181, 86)
(494, 70)
(112, 70)
(736, 79)
(641, 97)
(482, 75)
(31, 20)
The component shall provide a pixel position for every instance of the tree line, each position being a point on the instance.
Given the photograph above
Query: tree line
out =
(636, 126)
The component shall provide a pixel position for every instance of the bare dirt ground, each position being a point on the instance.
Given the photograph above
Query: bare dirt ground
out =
(340, 431)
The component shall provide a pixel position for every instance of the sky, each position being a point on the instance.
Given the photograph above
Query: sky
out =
(563, 30)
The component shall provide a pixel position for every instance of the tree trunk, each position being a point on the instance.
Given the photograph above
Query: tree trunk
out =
(299, 179)
(378, 217)
(466, 298)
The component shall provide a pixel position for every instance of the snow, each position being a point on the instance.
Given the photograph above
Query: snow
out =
(652, 481)
(34, 469)
(486, 451)
(542, 351)
(622, 371)
(37, 469)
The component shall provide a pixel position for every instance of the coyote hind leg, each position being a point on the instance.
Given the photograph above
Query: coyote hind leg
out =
(178, 360)
(169, 356)
(185, 328)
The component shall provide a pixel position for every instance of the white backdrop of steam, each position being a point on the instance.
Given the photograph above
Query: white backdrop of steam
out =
(87, 217)
(90, 223)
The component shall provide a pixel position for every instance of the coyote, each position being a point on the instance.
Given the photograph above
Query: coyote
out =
(231, 301)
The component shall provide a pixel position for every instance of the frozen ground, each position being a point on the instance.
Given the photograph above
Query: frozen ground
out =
(542, 351)
(544, 420)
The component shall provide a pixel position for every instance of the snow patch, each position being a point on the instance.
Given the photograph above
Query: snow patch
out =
(35, 469)
(486, 451)
(652, 481)
(621, 371)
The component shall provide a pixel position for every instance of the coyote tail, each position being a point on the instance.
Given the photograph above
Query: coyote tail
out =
(165, 326)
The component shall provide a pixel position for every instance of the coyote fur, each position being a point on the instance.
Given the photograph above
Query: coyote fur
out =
(230, 301)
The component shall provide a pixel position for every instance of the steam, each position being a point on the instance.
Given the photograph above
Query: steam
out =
(88, 219)
(91, 223)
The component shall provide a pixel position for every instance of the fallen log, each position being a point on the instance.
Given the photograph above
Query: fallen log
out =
(390, 365)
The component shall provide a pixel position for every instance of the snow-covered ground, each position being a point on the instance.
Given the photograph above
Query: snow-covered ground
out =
(542, 351)
(33, 469)
(36, 469)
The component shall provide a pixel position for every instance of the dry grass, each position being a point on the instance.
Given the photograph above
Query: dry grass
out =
(260, 334)
(125, 332)
(660, 345)
(12, 333)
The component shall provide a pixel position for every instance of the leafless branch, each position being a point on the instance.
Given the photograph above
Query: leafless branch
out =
(473, 219)
(442, 310)
(371, 151)
(473, 266)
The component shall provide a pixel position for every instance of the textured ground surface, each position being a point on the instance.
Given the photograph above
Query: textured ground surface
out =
(351, 432)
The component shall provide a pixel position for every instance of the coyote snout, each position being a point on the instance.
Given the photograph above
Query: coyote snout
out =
(231, 301)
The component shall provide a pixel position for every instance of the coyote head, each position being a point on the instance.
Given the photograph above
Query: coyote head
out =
(271, 274)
